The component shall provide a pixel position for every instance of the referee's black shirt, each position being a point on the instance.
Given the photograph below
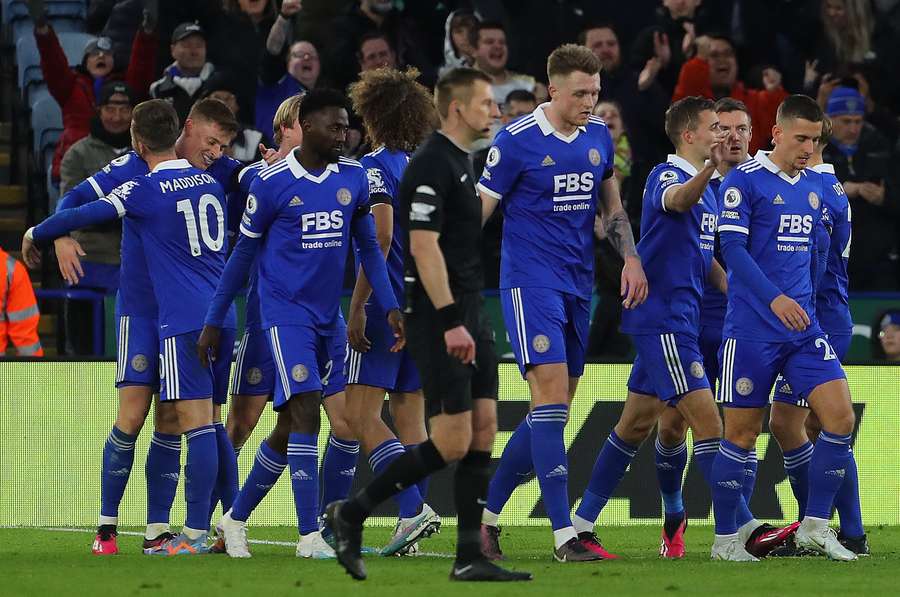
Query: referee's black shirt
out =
(438, 193)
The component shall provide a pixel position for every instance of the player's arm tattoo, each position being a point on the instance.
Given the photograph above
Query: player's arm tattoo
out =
(618, 231)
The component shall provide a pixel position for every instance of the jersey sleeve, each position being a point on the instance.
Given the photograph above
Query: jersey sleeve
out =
(502, 168)
(734, 205)
(362, 195)
(382, 187)
(608, 147)
(261, 210)
(660, 182)
(129, 200)
(428, 190)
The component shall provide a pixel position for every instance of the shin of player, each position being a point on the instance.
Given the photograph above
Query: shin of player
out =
(552, 173)
(771, 212)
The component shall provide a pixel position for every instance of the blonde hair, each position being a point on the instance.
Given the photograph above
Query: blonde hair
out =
(853, 41)
(286, 115)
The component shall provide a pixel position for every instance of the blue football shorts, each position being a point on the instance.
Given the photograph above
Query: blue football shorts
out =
(784, 393)
(183, 377)
(395, 372)
(667, 366)
(137, 353)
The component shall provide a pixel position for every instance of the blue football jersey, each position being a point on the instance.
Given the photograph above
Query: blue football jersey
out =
(179, 211)
(548, 184)
(304, 220)
(676, 250)
(712, 309)
(832, 303)
(384, 169)
(776, 216)
(252, 320)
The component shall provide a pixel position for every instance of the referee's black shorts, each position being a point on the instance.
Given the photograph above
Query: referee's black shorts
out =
(448, 385)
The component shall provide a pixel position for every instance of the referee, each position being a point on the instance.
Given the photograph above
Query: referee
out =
(449, 335)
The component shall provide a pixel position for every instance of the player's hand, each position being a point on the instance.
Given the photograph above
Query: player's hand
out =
(690, 36)
(398, 326)
(208, 344)
(717, 149)
(828, 84)
(460, 344)
(356, 331)
(68, 252)
(790, 313)
(810, 73)
(702, 45)
(268, 154)
(31, 255)
(872, 192)
(634, 283)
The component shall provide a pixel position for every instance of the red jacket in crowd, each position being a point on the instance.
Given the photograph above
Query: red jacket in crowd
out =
(73, 88)
(762, 104)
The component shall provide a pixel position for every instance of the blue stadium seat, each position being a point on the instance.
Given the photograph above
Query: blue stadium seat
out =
(18, 9)
(52, 187)
(28, 61)
(46, 123)
(14, 10)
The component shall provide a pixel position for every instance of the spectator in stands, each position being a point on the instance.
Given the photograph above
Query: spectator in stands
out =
(375, 51)
(886, 340)
(488, 40)
(276, 84)
(19, 315)
(458, 51)
(846, 37)
(518, 103)
(611, 113)
(861, 159)
(237, 42)
(713, 73)
(75, 89)
(183, 81)
(110, 138)
(403, 35)
(246, 144)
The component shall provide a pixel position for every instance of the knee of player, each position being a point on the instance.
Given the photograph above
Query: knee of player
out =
(341, 428)
(671, 435)
(634, 432)
(843, 423)
(304, 412)
(484, 430)
(165, 419)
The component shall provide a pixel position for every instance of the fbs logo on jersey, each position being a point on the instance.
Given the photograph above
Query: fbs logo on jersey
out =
(732, 198)
(493, 156)
(548, 161)
(295, 202)
(541, 343)
(299, 373)
(344, 196)
(778, 200)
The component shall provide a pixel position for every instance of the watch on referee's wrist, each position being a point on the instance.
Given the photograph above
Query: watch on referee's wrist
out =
(450, 316)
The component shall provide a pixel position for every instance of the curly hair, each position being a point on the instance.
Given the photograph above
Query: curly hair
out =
(397, 111)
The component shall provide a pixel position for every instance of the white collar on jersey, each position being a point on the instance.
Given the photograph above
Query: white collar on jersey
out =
(717, 175)
(541, 119)
(680, 162)
(172, 165)
(763, 158)
(300, 172)
(823, 168)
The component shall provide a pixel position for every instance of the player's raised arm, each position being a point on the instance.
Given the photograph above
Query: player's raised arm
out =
(634, 286)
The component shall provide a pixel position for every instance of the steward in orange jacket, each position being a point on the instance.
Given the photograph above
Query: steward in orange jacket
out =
(19, 313)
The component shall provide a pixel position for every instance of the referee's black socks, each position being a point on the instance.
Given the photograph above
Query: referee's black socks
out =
(473, 473)
(410, 468)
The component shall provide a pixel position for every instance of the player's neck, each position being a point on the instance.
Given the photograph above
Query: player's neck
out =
(557, 122)
(460, 135)
(696, 161)
(815, 159)
(309, 159)
(784, 165)
(155, 159)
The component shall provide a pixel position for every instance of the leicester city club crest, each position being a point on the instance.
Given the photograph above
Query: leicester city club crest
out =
(814, 200)
(541, 343)
(697, 369)
(344, 196)
(594, 156)
(299, 373)
(254, 376)
(744, 386)
(139, 363)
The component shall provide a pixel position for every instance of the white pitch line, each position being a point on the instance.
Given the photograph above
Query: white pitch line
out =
(426, 554)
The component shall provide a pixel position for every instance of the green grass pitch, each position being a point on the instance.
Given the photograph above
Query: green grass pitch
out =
(50, 563)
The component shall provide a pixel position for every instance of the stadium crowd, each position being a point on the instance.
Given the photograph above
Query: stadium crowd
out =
(253, 54)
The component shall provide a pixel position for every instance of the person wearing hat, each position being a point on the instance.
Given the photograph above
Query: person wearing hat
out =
(76, 89)
(184, 81)
(109, 138)
(886, 342)
(861, 158)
